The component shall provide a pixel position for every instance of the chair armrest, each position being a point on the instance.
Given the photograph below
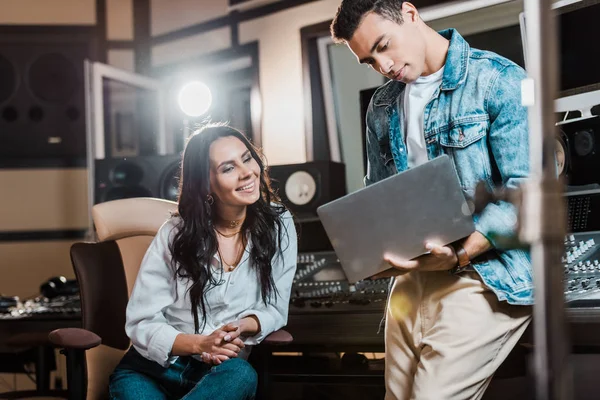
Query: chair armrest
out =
(279, 337)
(74, 338)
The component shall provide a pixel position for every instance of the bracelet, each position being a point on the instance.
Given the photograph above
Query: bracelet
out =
(462, 256)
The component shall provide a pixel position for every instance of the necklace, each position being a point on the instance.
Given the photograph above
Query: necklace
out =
(233, 265)
(227, 235)
(232, 223)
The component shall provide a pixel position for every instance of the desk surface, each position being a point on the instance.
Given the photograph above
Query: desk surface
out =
(317, 328)
(360, 329)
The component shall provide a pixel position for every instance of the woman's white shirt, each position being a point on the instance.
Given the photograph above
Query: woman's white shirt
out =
(159, 307)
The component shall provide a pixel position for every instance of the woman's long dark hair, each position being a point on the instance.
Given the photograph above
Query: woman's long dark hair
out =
(195, 242)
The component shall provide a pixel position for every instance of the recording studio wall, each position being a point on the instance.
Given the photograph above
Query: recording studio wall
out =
(43, 207)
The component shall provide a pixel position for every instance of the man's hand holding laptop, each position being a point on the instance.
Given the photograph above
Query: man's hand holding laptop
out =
(438, 258)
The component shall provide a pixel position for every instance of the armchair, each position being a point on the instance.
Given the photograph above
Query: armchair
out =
(106, 271)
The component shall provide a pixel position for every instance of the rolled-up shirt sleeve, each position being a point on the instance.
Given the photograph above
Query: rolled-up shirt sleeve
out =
(274, 315)
(154, 290)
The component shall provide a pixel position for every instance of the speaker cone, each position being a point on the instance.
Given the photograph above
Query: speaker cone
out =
(53, 78)
(300, 188)
(127, 173)
(584, 142)
(169, 185)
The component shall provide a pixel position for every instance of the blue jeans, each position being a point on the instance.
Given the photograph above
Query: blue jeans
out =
(136, 377)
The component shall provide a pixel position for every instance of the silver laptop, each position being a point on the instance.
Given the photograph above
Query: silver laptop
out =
(397, 215)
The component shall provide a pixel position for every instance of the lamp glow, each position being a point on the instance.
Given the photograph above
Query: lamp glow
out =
(194, 99)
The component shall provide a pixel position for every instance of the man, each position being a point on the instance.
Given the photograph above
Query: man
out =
(454, 314)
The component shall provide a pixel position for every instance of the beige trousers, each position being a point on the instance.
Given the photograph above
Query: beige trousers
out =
(446, 335)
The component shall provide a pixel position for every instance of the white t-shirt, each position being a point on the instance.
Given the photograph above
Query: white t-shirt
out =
(416, 97)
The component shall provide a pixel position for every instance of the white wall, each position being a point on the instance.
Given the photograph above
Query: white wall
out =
(280, 60)
(348, 80)
(119, 19)
(485, 19)
(191, 46)
(122, 58)
(170, 15)
(278, 34)
(48, 12)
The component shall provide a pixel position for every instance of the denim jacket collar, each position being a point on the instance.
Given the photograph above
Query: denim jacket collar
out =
(457, 60)
(455, 69)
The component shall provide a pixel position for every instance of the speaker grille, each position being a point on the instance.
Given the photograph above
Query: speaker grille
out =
(145, 176)
(52, 77)
(127, 173)
(8, 79)
(42, 97)
(169, 184)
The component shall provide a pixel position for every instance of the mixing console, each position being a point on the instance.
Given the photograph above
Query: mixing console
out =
(581, 263)
(42, 307)
(320, 284)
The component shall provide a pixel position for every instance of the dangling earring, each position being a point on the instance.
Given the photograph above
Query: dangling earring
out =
(210, 200)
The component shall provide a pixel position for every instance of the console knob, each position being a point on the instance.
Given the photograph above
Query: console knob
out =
(299, 303)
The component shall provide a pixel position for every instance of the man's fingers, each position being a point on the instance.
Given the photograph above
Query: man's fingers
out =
(439, 251)
(239, 343)
(399, 263)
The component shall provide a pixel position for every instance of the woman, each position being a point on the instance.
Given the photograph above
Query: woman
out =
(215, 280)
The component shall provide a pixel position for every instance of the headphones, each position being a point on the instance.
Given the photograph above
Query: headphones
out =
(59, 286)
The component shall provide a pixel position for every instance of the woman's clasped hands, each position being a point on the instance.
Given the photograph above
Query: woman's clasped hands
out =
(221, 345)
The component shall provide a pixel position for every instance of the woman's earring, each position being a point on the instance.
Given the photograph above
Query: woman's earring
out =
(210, 200)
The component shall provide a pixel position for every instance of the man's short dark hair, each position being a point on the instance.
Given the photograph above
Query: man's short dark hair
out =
(351, 13)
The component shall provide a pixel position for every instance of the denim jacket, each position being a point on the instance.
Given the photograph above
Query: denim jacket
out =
(475, 117)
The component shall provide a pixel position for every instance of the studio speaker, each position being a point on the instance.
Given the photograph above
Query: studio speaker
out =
(147, 176)
(42, 98)
(579, 141)
(305, 187)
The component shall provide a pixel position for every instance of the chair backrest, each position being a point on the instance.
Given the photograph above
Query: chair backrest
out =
(106, 272)
(103, 288)
(132, 224)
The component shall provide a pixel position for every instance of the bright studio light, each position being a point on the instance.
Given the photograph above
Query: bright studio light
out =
(194, 99)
